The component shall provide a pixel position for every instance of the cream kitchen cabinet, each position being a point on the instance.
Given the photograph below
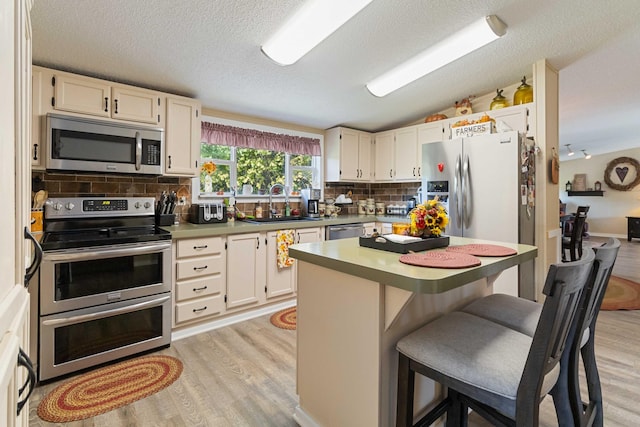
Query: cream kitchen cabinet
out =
(405, 149)
(245, 269)
(348, 155)
(428, 133)
(182, 136)
(384, 156)
(85, 95)
(37, 114)
(280, 281)
(200, 278)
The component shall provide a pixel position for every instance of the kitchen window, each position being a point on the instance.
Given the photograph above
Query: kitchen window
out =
(227, 167)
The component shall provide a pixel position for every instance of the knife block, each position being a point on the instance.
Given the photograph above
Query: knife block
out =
(165, 219)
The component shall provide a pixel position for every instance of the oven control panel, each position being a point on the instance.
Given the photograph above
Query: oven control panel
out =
(102, 205)
(88, 207)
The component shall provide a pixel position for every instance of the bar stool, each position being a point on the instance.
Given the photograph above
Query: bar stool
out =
(522, 315)
(498, 372)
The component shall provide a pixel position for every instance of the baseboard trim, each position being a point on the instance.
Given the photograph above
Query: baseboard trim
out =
(303, 419)
(236, 318)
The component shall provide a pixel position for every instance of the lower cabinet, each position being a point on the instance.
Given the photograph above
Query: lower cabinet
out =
(245, 269)
(281, 281)
(200, 275)
(215, 276)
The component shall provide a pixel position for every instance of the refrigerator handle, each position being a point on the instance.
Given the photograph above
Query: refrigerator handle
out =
(466, 192)
(457, 185)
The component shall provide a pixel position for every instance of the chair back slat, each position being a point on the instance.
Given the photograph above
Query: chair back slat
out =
(575, 243)
(564, 288)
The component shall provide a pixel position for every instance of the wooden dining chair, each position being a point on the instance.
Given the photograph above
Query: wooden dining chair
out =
(573, 244)
(500, 373)
(522, 315)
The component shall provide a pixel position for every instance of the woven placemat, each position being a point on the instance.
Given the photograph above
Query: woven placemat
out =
(483, 249)
(441, 259)
(108, 388)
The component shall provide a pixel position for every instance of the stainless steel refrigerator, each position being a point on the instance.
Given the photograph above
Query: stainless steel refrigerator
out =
(487, 184)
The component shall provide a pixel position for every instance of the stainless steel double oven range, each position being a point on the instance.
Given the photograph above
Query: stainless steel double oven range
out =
(105, 283)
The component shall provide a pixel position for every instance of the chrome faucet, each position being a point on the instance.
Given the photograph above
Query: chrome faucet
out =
(272, 211)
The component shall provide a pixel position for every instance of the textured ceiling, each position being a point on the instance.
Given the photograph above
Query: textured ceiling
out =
(210, 50)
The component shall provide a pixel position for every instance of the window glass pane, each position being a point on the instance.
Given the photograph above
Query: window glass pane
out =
(260, 168)
(302, 178)
(221, 152)
(214, 177)
(301, 160)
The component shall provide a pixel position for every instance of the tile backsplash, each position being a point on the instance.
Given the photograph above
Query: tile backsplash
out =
(103, 185)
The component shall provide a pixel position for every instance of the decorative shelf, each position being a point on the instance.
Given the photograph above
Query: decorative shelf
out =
(586, 193)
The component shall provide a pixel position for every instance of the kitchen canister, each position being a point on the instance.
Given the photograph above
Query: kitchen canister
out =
(362, 207)
(371, 208)
(379, 208)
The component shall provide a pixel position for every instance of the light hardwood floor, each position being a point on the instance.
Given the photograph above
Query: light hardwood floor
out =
(244, 374)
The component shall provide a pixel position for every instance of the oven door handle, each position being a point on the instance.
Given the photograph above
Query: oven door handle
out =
(106, 253)
(107, 313)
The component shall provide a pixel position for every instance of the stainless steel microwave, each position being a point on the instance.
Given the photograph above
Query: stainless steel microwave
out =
(79, 144)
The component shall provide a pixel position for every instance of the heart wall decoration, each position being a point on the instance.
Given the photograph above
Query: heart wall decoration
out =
(622, 174)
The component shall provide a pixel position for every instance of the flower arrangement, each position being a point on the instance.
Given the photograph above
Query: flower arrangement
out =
(208, 168)
(428, 219)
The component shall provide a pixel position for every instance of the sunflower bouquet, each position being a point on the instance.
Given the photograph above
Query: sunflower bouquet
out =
(428, 219)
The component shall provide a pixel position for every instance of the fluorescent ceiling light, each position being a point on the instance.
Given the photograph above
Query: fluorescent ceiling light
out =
(570, 151)
(314, 22)
(474, 36)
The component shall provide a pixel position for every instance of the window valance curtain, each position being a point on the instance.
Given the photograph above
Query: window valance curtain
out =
(214, 133)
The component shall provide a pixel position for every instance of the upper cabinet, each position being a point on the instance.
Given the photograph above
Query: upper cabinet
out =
(182, 136)
(347, 155)
(428, 133)
(383, 154)
(94, 97)
(67, 93)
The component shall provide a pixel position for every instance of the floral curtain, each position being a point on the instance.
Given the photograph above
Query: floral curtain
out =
(214, 133)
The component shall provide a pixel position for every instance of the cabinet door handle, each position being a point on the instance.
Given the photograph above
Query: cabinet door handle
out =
(195, 248)
(390, 173)
(419, 171)
(24, 361)
(116, 102)
(200, 268)
(258, 243)
(196, 310)
(414, 171)
(35, 151)
(169, 167)
(199, 289)
(106, 104)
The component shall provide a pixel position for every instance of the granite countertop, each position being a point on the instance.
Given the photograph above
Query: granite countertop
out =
(347, 256)
(188, 230)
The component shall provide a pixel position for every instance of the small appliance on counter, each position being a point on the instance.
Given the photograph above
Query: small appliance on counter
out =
(310, 202)
(209, 213)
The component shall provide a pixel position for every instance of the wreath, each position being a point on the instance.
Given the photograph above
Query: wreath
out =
(621, 173)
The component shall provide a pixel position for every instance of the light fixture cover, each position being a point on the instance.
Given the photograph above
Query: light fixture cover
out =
(570, 153)
(474, 36)
(314, 22)
(586, 155)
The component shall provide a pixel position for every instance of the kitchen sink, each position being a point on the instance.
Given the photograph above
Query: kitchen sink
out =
(279, 219)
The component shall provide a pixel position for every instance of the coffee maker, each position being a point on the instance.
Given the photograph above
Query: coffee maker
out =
(310, 202)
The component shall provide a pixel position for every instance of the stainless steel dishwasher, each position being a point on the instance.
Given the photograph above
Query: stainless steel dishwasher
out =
(344, 231)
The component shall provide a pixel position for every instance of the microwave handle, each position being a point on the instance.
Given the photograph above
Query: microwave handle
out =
(138, 150)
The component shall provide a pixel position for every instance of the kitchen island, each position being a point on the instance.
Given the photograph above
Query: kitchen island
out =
(354, 304)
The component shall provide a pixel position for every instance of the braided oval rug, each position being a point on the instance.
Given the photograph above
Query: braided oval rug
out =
(108, 388)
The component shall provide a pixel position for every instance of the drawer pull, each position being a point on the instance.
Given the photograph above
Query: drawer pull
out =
(199, 268)
(199, 289)
(196, 310)
(200, 247)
